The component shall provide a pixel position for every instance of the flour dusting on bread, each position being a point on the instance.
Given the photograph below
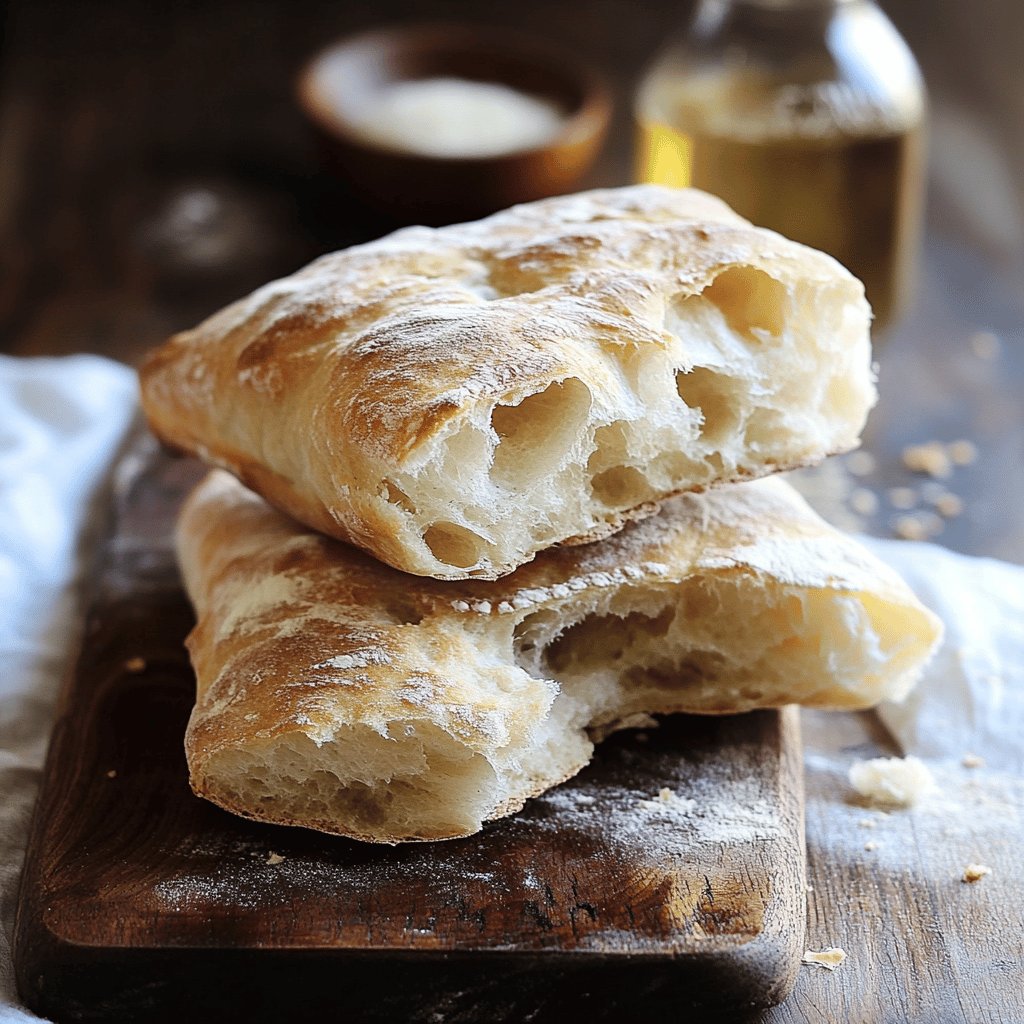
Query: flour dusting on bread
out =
(354, 699)
(456, 400)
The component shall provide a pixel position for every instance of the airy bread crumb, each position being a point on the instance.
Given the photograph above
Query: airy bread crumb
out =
(962, 453)
(976, 872)
(900, 781)
(973, 761)
(275, 858)
(829, 958)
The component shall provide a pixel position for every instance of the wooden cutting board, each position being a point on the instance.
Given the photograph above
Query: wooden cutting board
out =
(668, 876)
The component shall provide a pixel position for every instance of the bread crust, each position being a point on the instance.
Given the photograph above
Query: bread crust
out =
(364, 395)
(431, 706)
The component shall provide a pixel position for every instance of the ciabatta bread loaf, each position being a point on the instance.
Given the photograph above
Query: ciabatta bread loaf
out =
(454, 401)
(337, 693)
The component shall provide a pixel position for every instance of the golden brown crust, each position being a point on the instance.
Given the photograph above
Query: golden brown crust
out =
(358, 395)
(306, 645)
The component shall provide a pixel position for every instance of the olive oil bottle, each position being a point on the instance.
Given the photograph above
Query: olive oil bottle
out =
(807, 117)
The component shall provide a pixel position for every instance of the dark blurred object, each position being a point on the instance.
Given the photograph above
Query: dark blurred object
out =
(438, 189)
(807, 117)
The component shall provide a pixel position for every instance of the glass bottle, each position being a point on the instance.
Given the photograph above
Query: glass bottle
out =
(807, 117)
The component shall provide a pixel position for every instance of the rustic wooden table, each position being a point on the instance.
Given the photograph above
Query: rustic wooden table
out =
(153, 166)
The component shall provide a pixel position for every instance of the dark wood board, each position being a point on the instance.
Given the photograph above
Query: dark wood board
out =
(141, 902)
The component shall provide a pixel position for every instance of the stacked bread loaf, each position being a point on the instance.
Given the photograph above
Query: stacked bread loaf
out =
(505, 500)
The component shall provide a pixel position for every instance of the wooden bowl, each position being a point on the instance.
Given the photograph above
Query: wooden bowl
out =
(409, 186)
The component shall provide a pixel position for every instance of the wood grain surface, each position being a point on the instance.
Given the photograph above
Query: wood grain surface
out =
(153, 167)
(608, 894)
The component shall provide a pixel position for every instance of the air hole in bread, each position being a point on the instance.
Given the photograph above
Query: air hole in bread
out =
(751, 301)
(621, 486)
(394, 495)
(454, 544)
(601, 640)
(710, 394)
(535, 435)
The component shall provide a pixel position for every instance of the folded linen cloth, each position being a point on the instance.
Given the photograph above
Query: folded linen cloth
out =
(62, 422)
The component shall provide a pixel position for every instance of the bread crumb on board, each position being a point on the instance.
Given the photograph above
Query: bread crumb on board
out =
(899, 781)
(972, 761)
(930, 458)
(976, 872)
(949, 506)
(665, 796)
(275, 858)
(829, 958)
(962, 453)
(135, 665)
(870, 845)
(863, 501)
(917, 525)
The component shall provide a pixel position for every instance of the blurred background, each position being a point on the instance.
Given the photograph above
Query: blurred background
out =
(156, 162)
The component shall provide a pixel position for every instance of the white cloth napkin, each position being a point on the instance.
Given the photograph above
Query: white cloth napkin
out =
(61, 424)
(971, 700)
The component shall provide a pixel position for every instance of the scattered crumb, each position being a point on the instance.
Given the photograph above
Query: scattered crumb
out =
(870, 845)
(681, 804)
(275, 858)
(985, 345)
(962, 453)
(829, 958)
(866, 822)
(860, 463)
(930, 458)
(917, 525)
(135, 665)
(583, 800)
(949, 506)
(900, 781)
(902, 497)
(976, 872)
(112, 774)
(973, 761)
(909, 528)
(864, 502)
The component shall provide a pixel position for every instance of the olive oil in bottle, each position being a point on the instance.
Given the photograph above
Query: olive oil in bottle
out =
(807, 117)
